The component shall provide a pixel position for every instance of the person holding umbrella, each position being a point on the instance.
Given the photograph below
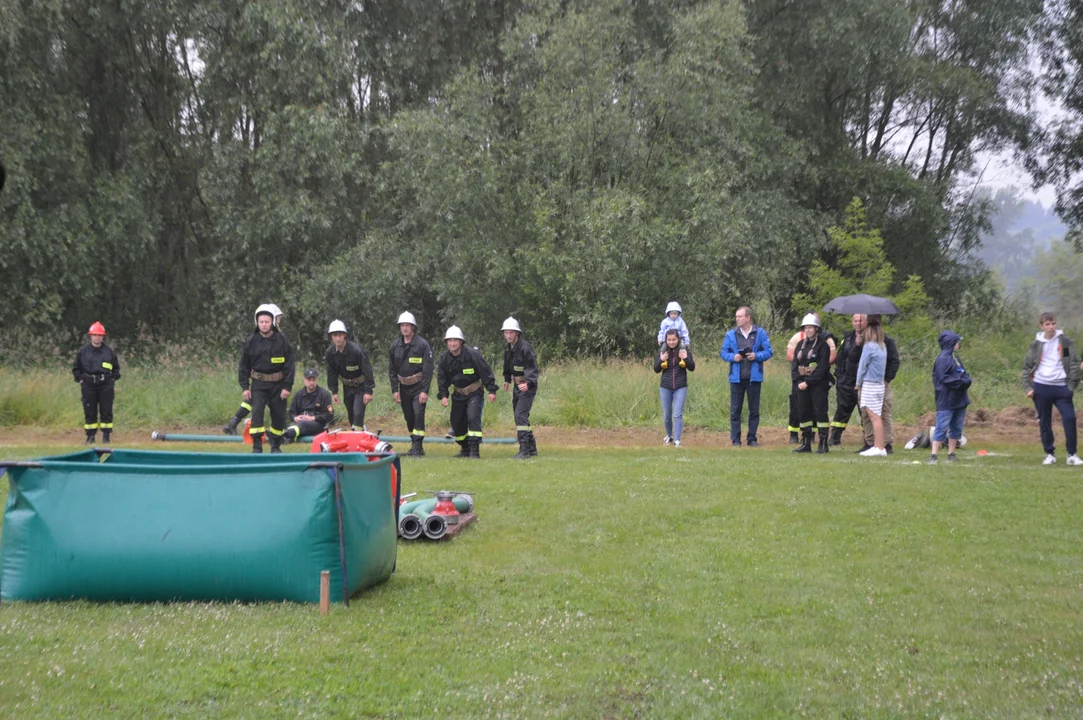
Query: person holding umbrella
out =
(810, 372)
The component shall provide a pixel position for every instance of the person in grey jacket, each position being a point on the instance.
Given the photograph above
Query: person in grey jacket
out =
(1050, 377)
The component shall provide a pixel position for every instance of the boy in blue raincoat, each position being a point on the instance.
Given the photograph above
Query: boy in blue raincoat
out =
(950, 381)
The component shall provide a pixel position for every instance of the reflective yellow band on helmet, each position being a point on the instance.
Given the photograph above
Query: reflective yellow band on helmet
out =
(523, 428)
(246, 406)
(107, 366)
(417, 361)
(474, 433)
(278, 360)
(468, 371)
(91, 426)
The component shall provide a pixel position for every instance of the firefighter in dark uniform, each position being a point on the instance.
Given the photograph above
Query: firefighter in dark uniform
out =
(849, 357)
(463, 373)
(811, 375)
(409, 363)
(230, 428)
(521, 373)
(348, 361)
(96, 368)
(311, 410)
(267, 366)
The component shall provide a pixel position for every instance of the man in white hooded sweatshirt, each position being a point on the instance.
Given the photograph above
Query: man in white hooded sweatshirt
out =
(1050, 376)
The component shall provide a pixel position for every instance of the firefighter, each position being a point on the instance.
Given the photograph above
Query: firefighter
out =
(794, 426)
(265, 374)
(409, 365)
(811, 375)
(521, 372)
(96, 368)
(348, 361)
(463, 373)
(230, 428)
(311, 409)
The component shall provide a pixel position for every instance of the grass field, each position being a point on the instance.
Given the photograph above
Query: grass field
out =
(632, 582)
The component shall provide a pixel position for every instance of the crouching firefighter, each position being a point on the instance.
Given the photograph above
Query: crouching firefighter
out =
(463, 373)
(409, 365)
(96, 368)
(310, 410)
(265, 374)
(230, 428)
(348, 361)
(521, 372)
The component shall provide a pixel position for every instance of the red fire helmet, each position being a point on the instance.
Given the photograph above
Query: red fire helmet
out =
(96, 329)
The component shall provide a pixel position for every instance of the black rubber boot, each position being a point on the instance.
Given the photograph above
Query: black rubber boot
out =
(464, 450)
(836, 436)
(420, 445)
(822, 450)
(230, 428)
(91, 436)
(524, 447)
(475, 449)
(276, 443)
(793, 438)
(533, 445)
(257, 445)
(806, 443)
(106, 436)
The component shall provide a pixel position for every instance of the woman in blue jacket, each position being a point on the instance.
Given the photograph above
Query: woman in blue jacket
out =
(674, 363)
(950, 381)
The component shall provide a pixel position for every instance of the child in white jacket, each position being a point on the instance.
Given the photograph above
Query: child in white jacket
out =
(674, 321)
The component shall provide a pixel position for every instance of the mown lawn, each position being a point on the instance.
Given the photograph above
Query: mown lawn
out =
(633, 582)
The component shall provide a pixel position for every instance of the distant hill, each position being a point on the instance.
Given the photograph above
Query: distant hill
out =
(1021, 229)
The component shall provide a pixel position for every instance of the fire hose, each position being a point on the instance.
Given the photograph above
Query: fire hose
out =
(418, 517)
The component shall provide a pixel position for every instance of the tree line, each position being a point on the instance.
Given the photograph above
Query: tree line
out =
(172, 165)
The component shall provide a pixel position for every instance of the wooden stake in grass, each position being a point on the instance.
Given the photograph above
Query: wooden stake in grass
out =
(325, 592)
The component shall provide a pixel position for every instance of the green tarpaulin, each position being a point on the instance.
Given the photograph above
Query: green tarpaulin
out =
(160, 526)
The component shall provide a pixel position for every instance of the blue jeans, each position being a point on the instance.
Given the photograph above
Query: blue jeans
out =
(1045, 397)
(673, 410)
(738, 390)
(949, 423)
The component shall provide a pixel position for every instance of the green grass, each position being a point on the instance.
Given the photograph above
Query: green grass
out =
(632, 582)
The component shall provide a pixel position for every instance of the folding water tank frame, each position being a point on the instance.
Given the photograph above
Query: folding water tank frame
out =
(146, 526)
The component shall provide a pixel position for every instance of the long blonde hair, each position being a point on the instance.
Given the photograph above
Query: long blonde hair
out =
(874, 333)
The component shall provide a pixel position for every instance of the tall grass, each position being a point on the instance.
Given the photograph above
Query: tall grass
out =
(179, 390)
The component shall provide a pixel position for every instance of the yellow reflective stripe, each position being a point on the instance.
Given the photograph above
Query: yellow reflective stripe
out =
(107, 366)
(276, 432)
(351, 368)
(837, 424)
(417, 361)
(278, 360)
(295, 428)
(418, 433)
(246, 406)
(524, 428)
(517, 368)
(460, 438)
(105, 426)
(806, 425)
(468, 371)
(91, 426)
(256, 431)
(794, 429)
(474, 433)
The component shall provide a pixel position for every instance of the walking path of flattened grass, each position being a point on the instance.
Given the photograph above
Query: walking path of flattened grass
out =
(632, 582)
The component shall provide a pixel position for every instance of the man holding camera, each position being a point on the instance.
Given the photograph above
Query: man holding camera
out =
(745, 348)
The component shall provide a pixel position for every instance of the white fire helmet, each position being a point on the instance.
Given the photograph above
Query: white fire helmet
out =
(454, 333)
(407, 317)
(810, 319)
(277, 312)
(512, 324)
(673, 306)
(336, 326)
(265, 309)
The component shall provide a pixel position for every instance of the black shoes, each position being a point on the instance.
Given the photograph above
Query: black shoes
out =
(230, 428)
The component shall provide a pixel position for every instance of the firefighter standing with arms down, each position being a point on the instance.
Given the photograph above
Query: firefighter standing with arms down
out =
(521, 372)
(463, 373)
(265, 374)
(348, 361)
(410, 372)
(96, 368)
(230, 428)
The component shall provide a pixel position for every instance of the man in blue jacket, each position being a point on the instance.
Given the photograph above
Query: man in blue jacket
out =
(745, 348)
(950, 381)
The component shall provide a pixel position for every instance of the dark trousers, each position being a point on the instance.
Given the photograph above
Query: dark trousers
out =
(795, 416)
(812, 407)
(1045, 397)
(466, 417)
(413, 410)
(266, 395)
(845, 403)
(303, 428)
(97, 399)
(738, 391)
(521, 404)
(354, 399)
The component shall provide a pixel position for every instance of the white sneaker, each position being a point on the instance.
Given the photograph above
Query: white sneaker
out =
(1074, 460)
(666, 440)
(677, 443)
(874, 452)
(1049, 460)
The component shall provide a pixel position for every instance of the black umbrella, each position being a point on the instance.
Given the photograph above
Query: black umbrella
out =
(863, 304)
